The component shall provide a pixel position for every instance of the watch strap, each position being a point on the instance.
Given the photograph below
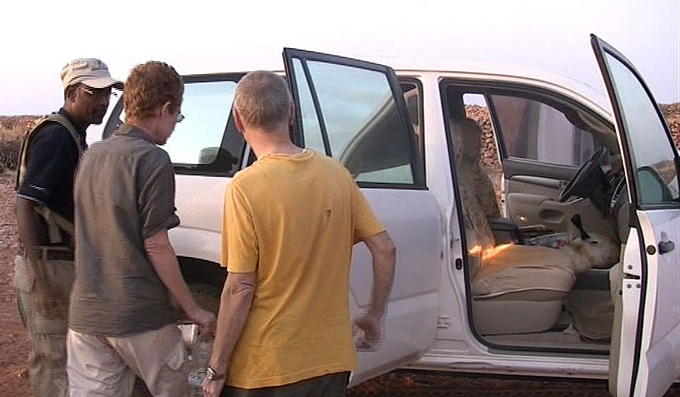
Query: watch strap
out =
(214, 375)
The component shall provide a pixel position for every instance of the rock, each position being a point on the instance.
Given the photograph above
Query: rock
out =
(21, 373)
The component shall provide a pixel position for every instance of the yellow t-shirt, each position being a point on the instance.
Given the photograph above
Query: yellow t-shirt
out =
(293, 219)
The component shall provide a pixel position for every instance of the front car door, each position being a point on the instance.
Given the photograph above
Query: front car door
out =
(647, 360)
(355, 112)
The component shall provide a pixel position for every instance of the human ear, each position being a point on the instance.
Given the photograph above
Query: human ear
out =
(71, 93)
(165, 109)
(238, 121)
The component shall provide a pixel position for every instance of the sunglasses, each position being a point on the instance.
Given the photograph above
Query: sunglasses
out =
(99, 93)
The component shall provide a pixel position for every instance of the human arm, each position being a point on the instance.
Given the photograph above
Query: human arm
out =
(237, 297)
(370, 321)
(240, 254)
(31, 231)
(156, 208)
(367, 326)
(32, 234)
(162, 257)
(51, 162)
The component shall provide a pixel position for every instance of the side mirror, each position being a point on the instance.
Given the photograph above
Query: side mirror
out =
(651, 187)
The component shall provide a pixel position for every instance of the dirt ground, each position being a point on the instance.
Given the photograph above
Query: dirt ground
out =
(14, 345)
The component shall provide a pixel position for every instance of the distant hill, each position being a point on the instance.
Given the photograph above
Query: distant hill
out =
(15, 126)
(12, 128)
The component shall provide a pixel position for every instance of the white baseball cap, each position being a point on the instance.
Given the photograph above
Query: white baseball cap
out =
(89, 71)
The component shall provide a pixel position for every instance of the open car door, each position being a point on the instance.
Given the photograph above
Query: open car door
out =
(646, 352)
(355, 112)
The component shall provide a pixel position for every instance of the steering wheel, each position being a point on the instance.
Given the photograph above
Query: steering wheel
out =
(586, 179)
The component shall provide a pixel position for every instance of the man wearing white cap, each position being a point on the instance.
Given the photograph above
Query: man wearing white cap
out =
(43, 273)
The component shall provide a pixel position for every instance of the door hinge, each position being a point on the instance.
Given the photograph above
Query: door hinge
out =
(443, 322)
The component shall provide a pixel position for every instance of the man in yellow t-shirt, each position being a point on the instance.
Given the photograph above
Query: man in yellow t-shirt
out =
(290, 221)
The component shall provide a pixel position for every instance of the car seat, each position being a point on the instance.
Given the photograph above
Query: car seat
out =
(515, 288)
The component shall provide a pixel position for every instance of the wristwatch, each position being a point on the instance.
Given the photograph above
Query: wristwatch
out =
(211, 374)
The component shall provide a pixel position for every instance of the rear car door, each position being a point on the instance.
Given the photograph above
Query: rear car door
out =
(648, 356)
(355, 111)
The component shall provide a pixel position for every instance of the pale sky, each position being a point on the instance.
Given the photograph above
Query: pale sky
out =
(200, 37)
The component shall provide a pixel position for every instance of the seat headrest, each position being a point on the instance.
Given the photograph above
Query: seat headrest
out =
(467, 138)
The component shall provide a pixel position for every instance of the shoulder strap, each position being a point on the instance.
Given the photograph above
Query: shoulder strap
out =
(64, 122)
(25, 143)
(54, 221)
(55, 224)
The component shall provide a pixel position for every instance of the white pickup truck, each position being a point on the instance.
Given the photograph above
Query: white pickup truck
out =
(476, 287)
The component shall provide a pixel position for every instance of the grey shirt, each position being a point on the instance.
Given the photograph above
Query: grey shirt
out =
(124, 193)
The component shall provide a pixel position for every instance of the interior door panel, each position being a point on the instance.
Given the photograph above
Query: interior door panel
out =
(513, 166)
(531, 190)
(538, 181)
(532, 209)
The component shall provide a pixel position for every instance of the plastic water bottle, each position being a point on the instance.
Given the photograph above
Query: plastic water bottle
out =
(200, 355)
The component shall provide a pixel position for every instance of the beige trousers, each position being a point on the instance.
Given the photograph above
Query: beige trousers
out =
(47, 358)
(106, 366)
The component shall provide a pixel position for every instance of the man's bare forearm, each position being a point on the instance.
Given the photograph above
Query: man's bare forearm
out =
(237, 297)
(384, 258)
(31, 234)
(163, 258)
(30, 229)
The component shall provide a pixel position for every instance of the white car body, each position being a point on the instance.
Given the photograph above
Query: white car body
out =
(428, 324)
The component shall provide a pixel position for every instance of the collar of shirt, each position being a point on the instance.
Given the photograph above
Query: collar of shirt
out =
(81, 131)
(131, 130)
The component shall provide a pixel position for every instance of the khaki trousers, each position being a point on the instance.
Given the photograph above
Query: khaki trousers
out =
(106, 366)
(47, 358)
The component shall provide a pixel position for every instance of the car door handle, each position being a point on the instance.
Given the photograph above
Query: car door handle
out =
(666, 246)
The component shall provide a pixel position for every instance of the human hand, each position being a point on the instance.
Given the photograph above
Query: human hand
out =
(204, 319)
(213, 388)
(367, 331)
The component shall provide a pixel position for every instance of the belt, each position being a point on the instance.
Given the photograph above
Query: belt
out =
(54, 253)
(58, 256)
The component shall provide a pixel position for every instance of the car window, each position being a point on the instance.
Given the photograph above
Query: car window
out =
(361, 121)
(197, 141)
(477, 109)
(413, 98)
(650, 148)
(310, 123)
(206, 141)
(534, 130)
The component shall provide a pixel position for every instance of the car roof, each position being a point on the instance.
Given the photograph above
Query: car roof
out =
(428, 66)
(480, 70)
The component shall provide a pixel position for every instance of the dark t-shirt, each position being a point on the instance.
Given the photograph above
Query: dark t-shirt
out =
(125, 193)
(52, 161)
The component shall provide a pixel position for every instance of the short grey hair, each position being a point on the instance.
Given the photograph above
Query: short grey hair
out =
(262, 99)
